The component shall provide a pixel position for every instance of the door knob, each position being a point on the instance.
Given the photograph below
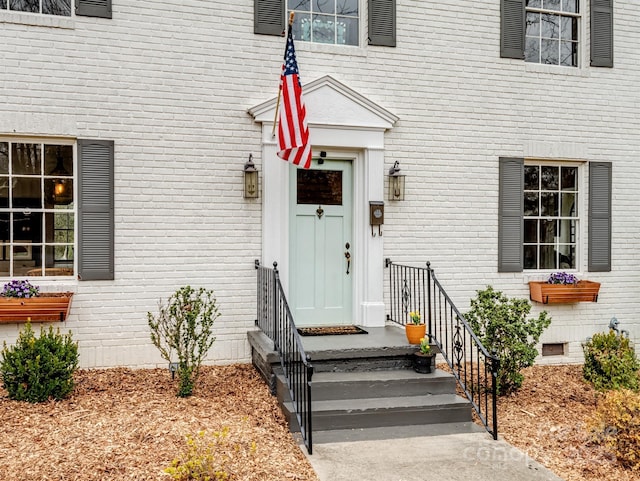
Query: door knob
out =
(347, 256)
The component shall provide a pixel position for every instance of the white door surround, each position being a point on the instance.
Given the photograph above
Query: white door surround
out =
(344, 124)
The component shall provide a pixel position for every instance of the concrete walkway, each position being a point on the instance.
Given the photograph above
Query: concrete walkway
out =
(454, 457)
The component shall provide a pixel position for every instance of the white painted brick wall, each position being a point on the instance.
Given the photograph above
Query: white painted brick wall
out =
(170, 83)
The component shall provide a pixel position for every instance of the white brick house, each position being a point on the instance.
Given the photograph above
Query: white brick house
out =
(154, 107)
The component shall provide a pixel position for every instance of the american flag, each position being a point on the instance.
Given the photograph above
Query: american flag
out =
(293, 133)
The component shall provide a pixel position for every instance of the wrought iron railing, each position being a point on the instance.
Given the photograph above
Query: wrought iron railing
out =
(275, 320)
(475, 369)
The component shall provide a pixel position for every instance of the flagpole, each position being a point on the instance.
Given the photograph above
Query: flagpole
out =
(275, 118)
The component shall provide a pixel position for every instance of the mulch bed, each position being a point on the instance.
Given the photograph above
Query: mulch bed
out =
(123, 424)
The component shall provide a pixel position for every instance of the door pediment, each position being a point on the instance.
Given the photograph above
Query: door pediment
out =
(330, 102)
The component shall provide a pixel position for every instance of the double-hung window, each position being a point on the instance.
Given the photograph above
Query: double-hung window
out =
(540, 209)
(37, 209)
(552, 32)
(46, 7)
(325, 21)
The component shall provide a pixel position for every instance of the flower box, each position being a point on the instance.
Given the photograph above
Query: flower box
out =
(583, 291)
(46, 307)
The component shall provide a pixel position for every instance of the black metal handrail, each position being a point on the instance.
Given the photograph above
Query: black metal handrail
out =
(275, 320)
(475, 369)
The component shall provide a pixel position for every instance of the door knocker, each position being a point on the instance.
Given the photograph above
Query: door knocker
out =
(319, 212)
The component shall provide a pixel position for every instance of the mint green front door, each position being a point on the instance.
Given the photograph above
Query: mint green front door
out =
(321, 244)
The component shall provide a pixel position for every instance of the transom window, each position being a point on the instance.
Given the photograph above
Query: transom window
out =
(325, 21)
(550, 216)
(37, 219)
(47, 7)
(552, 32)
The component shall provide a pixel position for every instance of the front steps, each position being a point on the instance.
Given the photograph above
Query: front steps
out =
(368, 392)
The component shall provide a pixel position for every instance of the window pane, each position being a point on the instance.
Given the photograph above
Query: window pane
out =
(299, 5)
(27, 227)
(26, 192)
(570, 6)
(25, 159)
(549, 52)
(3, 3)
(568, 207)
(57, 7)
(322, 187)
(531, 203)
(567, 231)
(532, 50)
(4, 192)
(4, 230)
(530, 260)
(569, 28)
(551, 4)
(549, 204)
(547, 231)
(530, 231)
(567, 256)
(569, 54)
(323, 29)
(347, 31)
(58, 160)
(533, 24)
(58, 191)
(32, 6)
(569, 178)
(324, 6)
(302, 27)
(4, 158)
(550, 178)
(550, 26)
(347, 7)
(531, 177)
(534, 3)
(548, 258)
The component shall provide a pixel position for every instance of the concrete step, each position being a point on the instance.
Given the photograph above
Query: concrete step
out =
(384, 412)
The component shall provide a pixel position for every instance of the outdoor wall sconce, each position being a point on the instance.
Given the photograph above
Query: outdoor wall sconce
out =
(250, 179)
(396, 183)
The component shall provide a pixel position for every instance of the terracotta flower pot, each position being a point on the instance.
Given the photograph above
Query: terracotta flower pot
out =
(415, 332)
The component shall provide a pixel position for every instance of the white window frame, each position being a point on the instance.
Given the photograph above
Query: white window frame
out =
(39, 12)
(7, 245)
(299, 13)
(579, 218)
(579, 42)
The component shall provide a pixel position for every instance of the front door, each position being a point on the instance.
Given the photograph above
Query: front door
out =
(321, 244)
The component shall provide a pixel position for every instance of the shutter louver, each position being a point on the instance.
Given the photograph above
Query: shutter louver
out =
(382, 23)
(600, 216)
(602, 33)
(94, 8)
(512, 29)
(95, 210)
(510, 212)
(268, 17)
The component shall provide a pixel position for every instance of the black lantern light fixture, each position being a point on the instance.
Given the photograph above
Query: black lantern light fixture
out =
(250, 179)
(396, 183)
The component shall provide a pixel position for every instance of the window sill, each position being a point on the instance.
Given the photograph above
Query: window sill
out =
(557, 70)
(37, 20)
(330, 48)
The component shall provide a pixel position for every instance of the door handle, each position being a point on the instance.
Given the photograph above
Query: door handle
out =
(347, 256)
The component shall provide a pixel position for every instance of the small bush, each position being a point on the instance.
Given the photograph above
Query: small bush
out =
(616, 425)
(185, 325)
(207, 457)
(502, 326)
(610, 362)
(38, 368)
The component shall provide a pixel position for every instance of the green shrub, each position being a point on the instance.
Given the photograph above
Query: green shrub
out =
(610, 362)
(616, 425)
(38, 368)
(185, 325)
(502, 326)
(208, 457)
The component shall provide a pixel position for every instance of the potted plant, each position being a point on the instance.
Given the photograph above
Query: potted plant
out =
(423, 359)
(416, 329)
(22, 301)
(562, 287)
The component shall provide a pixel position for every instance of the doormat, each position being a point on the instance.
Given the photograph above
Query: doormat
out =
(330, 330)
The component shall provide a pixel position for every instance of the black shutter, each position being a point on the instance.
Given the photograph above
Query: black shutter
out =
(600, 216)
(602, 33)
(268, 17)
(512, 29)
(95, 210)
(510, 212)
(93, 8)
(382, 23)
